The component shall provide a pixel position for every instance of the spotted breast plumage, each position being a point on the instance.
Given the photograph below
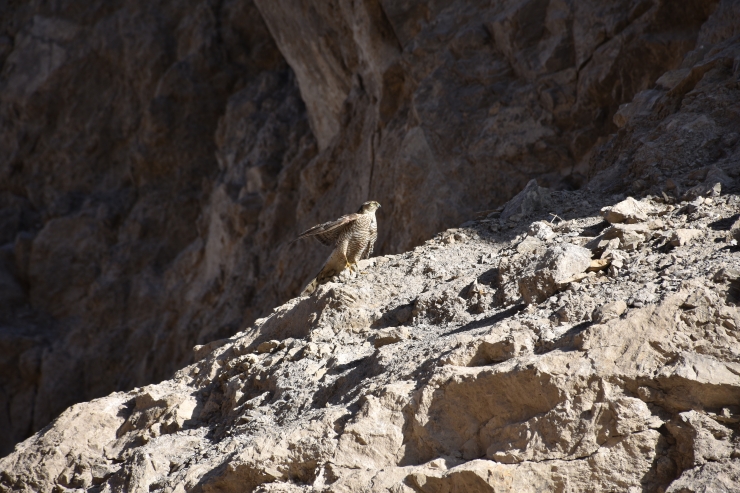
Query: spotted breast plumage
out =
(353, 238)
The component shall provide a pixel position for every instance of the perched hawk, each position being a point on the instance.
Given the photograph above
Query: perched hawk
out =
(352, 236)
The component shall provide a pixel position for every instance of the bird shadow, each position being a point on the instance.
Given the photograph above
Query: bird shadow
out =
(488, 321)
(723, 224)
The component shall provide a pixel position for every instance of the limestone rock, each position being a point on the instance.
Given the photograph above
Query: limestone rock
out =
(628, 211)
(598, 264)
(712, 186)
(267, 346)
(726, 274)
(609, 311)
(700, 439)
(712, 476)
(404, 378)
(556, 267)
(541, 230)
(529, 200)
(390, 336)
(155, 159)
(735, 230)
(154, 137)
(681, 237)
(659, 159)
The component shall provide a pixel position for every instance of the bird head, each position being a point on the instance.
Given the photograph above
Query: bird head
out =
(369, 206)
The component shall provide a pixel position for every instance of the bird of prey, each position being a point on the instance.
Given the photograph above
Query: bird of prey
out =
(352, 236)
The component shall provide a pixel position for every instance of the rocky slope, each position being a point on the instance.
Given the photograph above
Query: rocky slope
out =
(155, 156)
(594, 349)
(571, 341)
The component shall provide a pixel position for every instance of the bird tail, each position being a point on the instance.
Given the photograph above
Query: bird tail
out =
(333, 266)
(310, 287)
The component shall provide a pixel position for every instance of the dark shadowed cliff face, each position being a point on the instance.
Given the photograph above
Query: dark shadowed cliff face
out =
(156, 156)
(140, 147)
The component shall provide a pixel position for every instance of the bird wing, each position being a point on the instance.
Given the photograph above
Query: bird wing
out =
(328, 232)
(371, 242)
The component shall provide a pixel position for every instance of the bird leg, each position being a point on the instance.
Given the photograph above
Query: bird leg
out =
(346, 262)
(348, 265)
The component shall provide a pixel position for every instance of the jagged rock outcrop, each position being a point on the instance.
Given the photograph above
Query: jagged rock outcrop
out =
(468, 99)
(679, 137)
(156, 156)
(415, 376)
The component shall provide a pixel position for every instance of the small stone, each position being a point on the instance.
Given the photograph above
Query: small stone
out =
(554, 270)
(575, 278)
(630, 241)
(726, 274)
(695, 299)
(390, 336)
(532, 198)
(609, 311)
(602, 244)
(656, 224)
(735, 230)
(267, 346)
(628, 211)
(541, 230)
(530, 245)
(203, 350)
(681, 237)
(598, 264)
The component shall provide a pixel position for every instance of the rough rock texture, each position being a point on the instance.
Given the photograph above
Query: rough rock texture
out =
(557, 266)
(680, 136)
(155, 156)
(141, 145)
(441, 109)
(414, 376)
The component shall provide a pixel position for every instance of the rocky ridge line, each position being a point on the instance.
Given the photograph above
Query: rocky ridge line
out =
(493, 357)
(154, 154)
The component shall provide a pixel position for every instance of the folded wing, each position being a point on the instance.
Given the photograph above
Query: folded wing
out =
(371, 242)
(329, 232)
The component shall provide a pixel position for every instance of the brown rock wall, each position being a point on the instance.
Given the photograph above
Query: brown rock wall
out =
(139, 143)
(468, 100)
(471, 393)
(156, 156)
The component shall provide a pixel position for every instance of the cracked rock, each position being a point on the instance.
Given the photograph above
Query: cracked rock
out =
(529, 200)
(609, 311)
(548, 275)
(628, 211)
(681, 237)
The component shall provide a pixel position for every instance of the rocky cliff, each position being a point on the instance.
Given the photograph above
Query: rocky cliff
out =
(156, 156)
(128, 131)
(591, 350)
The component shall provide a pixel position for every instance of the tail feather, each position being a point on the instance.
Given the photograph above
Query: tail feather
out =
(333, 266)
